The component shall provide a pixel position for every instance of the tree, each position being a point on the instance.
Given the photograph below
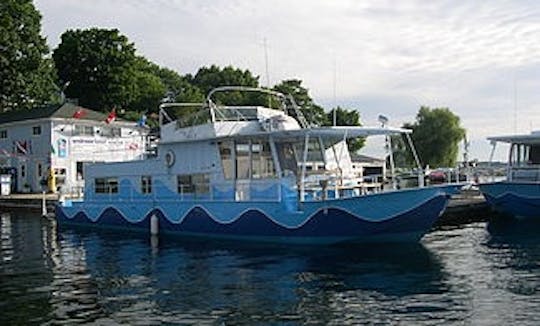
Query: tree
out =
(98, 65)
(313, 113)
(26, 74)
(345, 117)
(208, 78)
(436, 135)
(175, 87)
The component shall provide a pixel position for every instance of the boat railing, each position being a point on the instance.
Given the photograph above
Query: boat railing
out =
(524, 173)
(210, 112)
(287, 102)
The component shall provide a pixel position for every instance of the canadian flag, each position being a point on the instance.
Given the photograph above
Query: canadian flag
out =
(79, 113)
(111, 117)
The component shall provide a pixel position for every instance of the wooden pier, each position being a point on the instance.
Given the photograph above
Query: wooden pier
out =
(28, 201)
(467, 207)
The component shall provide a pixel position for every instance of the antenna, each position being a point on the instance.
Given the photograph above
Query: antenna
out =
(266, 63)
(334, 118)
(515, 103)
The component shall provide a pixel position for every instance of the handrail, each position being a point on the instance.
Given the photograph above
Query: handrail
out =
(301, 118)
(163, 113)
(244, 89)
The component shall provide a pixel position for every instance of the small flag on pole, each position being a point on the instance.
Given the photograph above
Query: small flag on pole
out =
(111, 117)
(142, 121)
(79, 113)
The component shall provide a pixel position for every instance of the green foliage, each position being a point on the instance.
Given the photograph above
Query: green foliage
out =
(208, 78)
(174, 86)
(26, 75)
(346, 117)
(436, 136)
(313, 113)
(99, 65)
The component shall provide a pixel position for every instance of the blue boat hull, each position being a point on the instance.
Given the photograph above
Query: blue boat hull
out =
(400, 216)
(520, 200)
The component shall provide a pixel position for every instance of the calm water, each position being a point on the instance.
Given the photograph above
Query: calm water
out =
(474, 274)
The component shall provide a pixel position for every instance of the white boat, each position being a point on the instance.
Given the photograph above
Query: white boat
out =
(240, 172)
(519, 194)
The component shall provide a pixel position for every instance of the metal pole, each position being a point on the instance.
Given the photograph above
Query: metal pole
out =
(303, 177)
(392, 165)
(418, 164)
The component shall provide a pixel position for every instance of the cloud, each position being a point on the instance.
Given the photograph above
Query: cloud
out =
(394, 55)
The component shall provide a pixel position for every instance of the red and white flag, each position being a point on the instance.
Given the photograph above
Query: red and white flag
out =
(111, 117)
(79, 113)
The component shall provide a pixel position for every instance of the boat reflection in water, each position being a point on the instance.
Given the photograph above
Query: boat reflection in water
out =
(460, 275)
(231, 282)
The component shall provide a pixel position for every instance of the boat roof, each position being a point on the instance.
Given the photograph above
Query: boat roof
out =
(532, 138)
(335, 133)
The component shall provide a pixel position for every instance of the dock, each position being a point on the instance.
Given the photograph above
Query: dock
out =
(28, 201)
(467, 207)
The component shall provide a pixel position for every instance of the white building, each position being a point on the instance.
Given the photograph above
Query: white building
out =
(65, 138)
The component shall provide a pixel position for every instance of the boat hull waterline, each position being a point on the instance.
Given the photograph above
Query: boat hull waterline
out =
(397, 216)
(517, 199)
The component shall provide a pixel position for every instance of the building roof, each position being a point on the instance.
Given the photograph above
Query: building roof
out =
(65, 111)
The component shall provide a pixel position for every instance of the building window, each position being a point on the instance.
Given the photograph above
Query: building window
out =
(3, 134)
(23, 171)
(110, 132)
(83, 130)
(39, 170)
(198, 184)
(36, 130)
(146, 184)
(106, 185)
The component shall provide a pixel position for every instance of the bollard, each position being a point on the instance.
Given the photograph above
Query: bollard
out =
(154, 225)
(44, 205)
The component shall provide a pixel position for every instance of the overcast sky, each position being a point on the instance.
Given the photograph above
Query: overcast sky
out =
(479, 58)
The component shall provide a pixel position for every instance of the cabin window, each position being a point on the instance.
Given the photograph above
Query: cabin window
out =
(225, 152)
(3, 134)
(287, 158)
(534, 154)
(262, 165)
(83, 130)
(36, 130)
(521, 154)
(198, 184)
(146, 184)
(243, 166)
(106, 185)
(250, 159)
